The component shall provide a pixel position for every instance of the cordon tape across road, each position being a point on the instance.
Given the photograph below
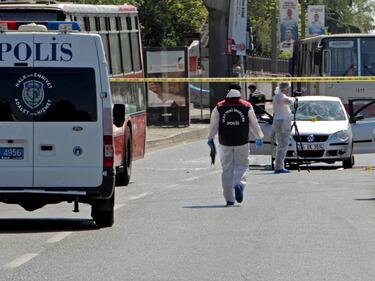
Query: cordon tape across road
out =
(251, 79)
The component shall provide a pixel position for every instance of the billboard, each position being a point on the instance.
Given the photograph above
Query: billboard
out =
(288, 24)
(167, 103)
(316, 19)
(237, 27)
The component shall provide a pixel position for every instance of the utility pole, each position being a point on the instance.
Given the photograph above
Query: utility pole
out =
(274, 45)
(219, 60)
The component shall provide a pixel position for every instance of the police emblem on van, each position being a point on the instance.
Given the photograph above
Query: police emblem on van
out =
(33, 93)
(32, 100)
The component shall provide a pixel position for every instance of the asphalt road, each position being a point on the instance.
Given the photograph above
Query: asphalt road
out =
(171, 224)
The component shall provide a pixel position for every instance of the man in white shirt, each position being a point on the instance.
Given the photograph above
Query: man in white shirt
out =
(282, 124)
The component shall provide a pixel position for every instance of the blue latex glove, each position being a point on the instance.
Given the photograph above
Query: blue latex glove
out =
(211, 143)
(258, 143)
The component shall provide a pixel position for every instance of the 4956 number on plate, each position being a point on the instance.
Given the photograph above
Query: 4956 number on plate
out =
(11, 153)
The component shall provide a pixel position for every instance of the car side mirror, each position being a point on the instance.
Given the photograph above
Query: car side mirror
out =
(297, 94)
(356, 118)
(118, 115)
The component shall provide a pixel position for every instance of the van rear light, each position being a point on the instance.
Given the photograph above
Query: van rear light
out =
(8, 25)
(108, 152)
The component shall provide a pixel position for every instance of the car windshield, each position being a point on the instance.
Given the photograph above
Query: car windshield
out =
(320, 111)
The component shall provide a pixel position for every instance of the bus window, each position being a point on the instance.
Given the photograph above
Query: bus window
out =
(92, 23)
(344, 56)
(126, 52)
(87, 23)
(32, 15)
(81, 22)
(114, 43)
(135, 51)
(368, 56)
(326, 63)
(128, 23)
(97, 23)
(112, 23)
(102, 24)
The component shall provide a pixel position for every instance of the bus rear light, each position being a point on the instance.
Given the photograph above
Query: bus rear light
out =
(8, 25)
(108, 152)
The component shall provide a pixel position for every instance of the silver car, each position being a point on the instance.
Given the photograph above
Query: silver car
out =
(322, 131)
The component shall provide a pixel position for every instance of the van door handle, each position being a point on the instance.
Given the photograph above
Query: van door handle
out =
(46, 147)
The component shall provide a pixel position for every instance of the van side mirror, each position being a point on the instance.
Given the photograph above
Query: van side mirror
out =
(118, 115)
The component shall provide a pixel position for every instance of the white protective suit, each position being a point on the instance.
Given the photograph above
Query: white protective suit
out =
(281, 125)
(234, 159)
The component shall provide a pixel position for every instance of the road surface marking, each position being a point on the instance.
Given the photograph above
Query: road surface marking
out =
(20, 261)
(191, 179)
(58, 237)
(139, 196)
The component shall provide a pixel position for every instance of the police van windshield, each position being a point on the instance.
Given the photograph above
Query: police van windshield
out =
(320, 111)
(47, 94)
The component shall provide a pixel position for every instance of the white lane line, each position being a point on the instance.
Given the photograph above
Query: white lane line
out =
(139, 196)
(58, 237)
(191, 179)
(118, 206)
(20, 261)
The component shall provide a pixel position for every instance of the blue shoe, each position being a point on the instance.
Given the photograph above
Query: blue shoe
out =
(230, 203)
(281, 171)
(238, 190)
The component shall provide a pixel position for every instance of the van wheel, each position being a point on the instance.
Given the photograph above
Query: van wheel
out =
(348, 163)
(102, 211)
(124, 178)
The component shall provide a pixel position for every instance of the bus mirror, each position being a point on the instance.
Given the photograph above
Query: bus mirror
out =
(318, 57)
(118, 115)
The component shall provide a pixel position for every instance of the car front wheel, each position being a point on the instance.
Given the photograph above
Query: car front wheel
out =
(348, 163)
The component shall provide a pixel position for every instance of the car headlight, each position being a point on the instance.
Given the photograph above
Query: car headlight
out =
(340, 136)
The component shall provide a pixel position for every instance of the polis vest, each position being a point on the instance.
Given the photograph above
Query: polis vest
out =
(234, 122)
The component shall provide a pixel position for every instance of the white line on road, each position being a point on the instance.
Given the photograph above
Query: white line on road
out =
(139, 196)
(191, 179)
(58, 237)
(20, 261)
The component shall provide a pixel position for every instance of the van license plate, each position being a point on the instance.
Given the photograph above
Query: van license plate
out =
(11, 153)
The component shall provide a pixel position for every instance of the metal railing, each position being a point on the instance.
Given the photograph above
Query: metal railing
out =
(264, 64)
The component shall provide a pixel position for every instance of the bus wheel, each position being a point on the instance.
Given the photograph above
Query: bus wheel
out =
(123, 179)
(102, 211)
(348, 163)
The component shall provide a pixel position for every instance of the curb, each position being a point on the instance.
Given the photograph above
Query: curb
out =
(199, 133)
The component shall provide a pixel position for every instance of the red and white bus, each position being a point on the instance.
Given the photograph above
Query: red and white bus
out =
(119, 28)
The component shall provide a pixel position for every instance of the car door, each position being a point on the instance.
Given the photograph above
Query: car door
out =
(265, 123)
(16, 126)
(362, 120)
(68, 122)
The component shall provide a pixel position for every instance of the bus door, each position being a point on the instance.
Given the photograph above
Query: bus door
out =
(362, 119)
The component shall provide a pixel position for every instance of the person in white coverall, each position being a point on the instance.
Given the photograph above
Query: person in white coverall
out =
(282, 124)
(232, 119)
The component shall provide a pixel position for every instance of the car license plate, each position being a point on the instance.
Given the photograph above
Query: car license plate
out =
(311, 146)
(15, 153)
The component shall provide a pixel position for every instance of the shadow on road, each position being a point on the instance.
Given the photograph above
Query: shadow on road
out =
(45, 225)
(365, 199)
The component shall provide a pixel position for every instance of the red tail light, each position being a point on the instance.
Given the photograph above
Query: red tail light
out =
(11, 25)
(108, 152)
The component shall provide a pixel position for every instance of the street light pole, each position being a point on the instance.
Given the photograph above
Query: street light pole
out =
(303, 19)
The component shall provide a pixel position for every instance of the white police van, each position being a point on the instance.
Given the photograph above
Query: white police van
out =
(56, 117)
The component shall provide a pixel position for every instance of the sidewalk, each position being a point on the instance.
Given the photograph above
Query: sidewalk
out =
(159, 137)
